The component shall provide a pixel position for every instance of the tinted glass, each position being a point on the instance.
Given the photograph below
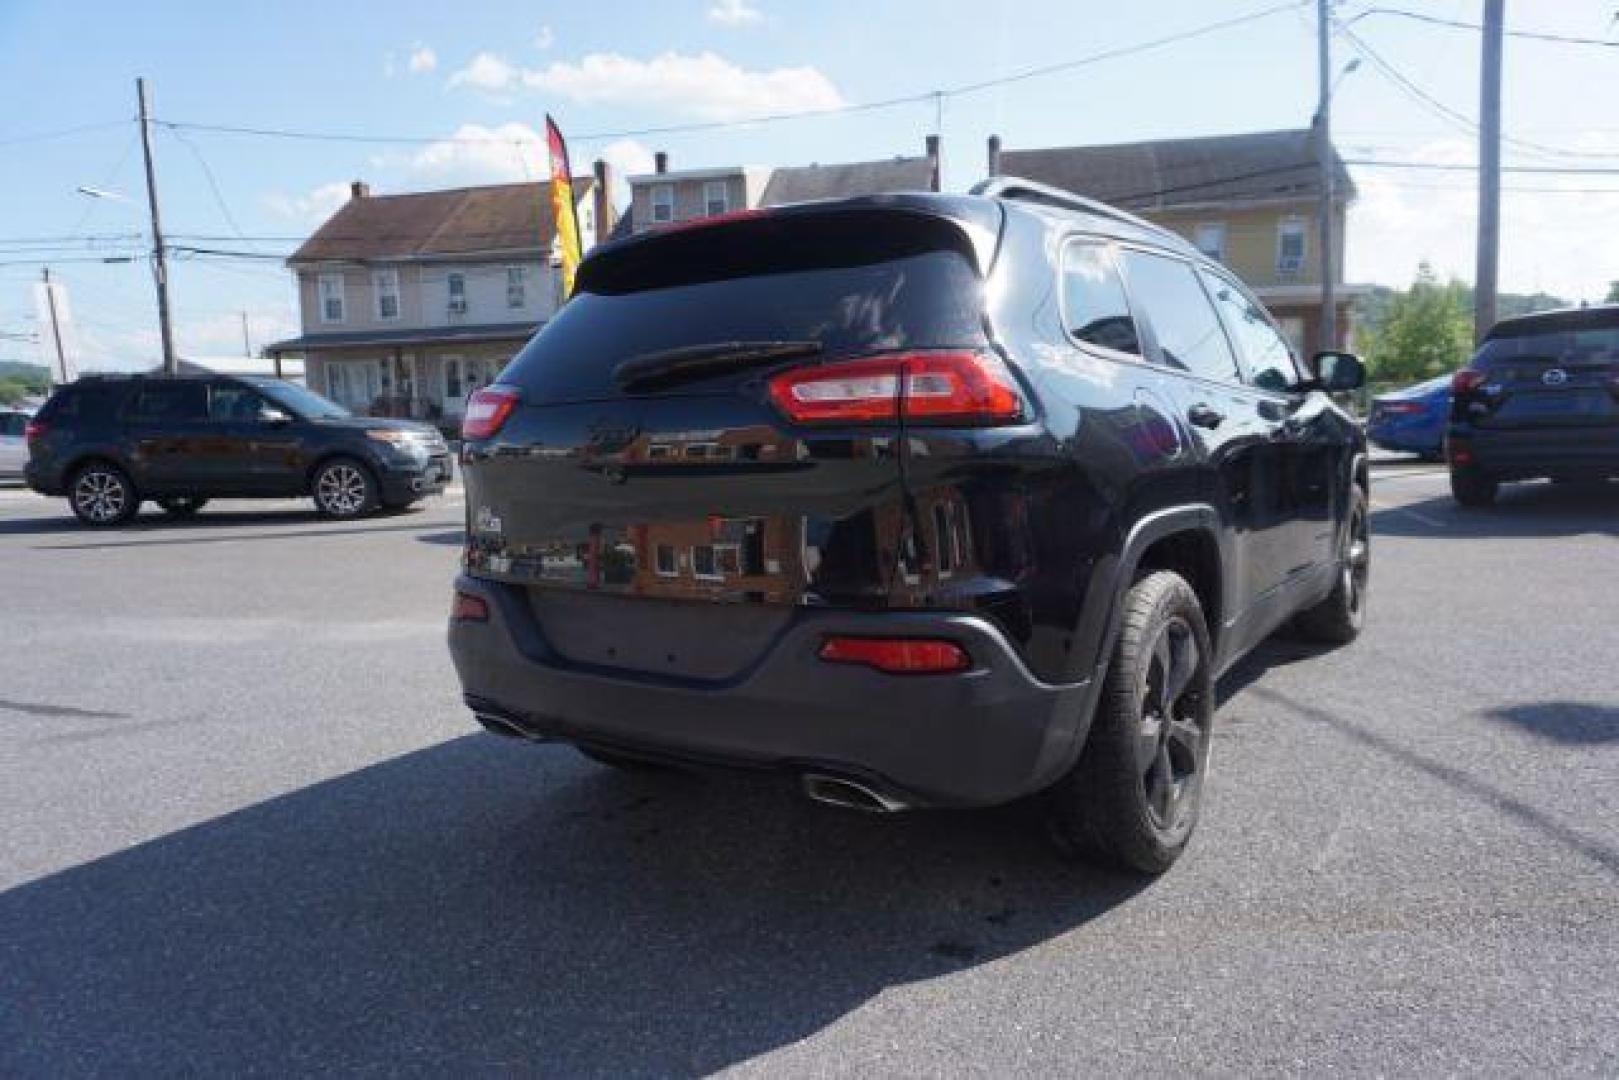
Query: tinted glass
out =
(299, 401)
(1265, 351)
(1569, 346)
(170, 402)
(1188, 332)
(234, 403)
(1093, 301)
(855, 287)
(12, 423)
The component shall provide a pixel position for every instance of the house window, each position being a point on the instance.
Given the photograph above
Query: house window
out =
(515, 297)
(385, 284)
(458, 293)
(1290, 246)
(716, 197)
(331, 298)
(664, 560)
(712, 562)
(1210, 239)
(663, 202)
(453, 388)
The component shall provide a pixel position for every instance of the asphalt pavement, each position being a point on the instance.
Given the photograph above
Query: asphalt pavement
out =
(247, 827)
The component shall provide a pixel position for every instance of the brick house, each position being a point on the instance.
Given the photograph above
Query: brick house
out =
(1251, 201)
(409, 303)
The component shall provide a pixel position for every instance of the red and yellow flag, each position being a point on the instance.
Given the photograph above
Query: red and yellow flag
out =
(563, 209)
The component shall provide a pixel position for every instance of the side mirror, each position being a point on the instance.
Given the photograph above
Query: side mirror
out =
(274, 417)
(1336, 372)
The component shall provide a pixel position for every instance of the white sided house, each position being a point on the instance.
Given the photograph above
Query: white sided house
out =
(411, 302)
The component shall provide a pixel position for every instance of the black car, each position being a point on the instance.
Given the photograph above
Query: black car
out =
(109, 442)
(1540, 399)
(927, 500)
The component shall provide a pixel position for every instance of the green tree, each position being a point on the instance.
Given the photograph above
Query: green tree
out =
(1427, 332)
(1613, 293)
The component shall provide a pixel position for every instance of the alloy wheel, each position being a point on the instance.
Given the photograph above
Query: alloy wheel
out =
(1357, 562)
(342, 490)
(100, 496)
(1171, 741)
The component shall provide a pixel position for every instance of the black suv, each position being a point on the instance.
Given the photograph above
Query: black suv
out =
(927, 500)
(108, 442)
(1539, 400)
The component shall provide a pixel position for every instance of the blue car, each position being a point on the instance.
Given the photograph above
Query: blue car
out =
(1412, 420)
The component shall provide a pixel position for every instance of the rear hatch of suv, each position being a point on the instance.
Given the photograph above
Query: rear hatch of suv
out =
(1557, 372)
(706, 437)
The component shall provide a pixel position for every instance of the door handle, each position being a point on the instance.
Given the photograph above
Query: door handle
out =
(1204, 415)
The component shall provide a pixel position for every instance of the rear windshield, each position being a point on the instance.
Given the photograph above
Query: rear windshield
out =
(854, 286)
(1566, 346)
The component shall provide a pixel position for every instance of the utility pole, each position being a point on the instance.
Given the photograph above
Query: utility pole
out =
(1327, 337)
(56, 326)
(247, 344)
(160, 262)
(1489, 171)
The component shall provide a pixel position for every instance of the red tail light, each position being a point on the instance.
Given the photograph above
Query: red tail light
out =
(897, 656)
(487, 410)
(944, 386)
(469, 608)
(1466, 381)
(34, 429)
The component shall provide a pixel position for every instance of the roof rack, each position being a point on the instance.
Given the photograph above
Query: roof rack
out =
(1014, 187)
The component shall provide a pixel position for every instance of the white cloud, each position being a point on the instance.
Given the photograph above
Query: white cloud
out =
(475, 153)
(422, 60)
(734, 13)
(545, 38)
(312, 207)
(628, 158)
(486, 72)
(706, 85)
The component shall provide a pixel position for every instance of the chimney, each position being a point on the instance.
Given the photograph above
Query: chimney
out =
(933, 162)
(604, 200)
(359, 190)
(994, 155)
(660, 161)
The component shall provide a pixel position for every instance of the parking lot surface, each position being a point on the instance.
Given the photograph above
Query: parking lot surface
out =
(246, 826)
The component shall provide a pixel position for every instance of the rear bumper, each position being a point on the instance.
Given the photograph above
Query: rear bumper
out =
(1533, 453)
(986, 736)
(1406, 438)
(46, 481)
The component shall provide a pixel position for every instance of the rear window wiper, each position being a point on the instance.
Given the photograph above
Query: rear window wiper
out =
(668, 366)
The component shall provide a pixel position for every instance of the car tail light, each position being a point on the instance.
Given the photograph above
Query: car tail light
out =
(469, 608)
(897, 656)
(35, 429)
(942, 386)
(1466, 381)
(487, 410)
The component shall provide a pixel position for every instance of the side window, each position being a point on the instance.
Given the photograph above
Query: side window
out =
(1264, 350)
(232, 403)
(1094, 308)
(1184, 323)
(170, 402)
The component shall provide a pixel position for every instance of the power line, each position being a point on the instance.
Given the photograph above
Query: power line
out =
(213, 185)
(930, 96)
(1555, 170)
(1458, 24)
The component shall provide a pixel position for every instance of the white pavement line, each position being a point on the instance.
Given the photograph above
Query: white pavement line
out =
(1407, 474)
(1418, 514)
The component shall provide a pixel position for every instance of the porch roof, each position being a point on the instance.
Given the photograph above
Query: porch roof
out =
(438, 335)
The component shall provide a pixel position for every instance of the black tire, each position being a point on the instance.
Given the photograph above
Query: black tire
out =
(1471, 488)
(344, 488)
(1134, 796)
(1337, 619)
(623, 762)
(101, 495)
(181, 506)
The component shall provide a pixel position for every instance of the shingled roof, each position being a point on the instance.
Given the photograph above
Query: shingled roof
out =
(1182, 172)
(807, 183)
(502, 218)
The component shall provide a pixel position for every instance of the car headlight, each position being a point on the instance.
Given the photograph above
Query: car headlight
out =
(397, 438)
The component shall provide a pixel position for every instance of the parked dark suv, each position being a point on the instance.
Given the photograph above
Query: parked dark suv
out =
(109, 442)
(1540, 399)
(927, 500)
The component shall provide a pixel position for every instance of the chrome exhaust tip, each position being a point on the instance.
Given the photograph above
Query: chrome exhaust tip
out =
(850, 794)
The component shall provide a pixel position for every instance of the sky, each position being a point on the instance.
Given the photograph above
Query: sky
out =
(463, 86)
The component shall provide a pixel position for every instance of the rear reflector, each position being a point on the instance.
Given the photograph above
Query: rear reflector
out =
(943, 386)
(1466, 380)
(897, 656)
(1398, 408)
(487, 410)
(469, 608)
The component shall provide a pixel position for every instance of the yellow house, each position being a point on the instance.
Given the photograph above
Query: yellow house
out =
(1251, 201)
